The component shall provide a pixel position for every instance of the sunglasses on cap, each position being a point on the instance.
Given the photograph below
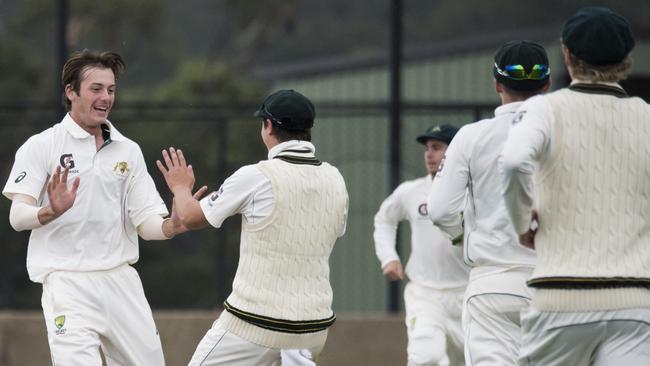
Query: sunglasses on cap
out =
(518, 72)
(269, 115)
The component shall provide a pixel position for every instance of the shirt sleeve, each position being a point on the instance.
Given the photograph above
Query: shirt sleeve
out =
(528, 145)
(235, 195)
(142, 197)
(447, 196)
(29, 173)
(390, 213)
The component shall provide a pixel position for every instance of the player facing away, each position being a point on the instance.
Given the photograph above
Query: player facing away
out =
(470, 183)
(581, 155)
(83, 190)
(435, 269)
(293, 207)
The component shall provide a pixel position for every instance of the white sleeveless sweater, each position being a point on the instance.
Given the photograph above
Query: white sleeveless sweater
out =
(281, 294)
(593, 245)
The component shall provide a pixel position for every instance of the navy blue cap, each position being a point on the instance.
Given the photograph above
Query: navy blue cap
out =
(444, 133)
(598, 36)
(288, 109)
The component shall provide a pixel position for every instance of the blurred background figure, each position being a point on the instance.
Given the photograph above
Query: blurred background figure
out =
(436, 273)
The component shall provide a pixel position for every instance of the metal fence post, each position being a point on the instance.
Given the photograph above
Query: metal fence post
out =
(394, 135)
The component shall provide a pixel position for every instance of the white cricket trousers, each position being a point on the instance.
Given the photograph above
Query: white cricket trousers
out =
(599, 338)
(491, 318)
(435, 336)
(88, 310)
(221, 347)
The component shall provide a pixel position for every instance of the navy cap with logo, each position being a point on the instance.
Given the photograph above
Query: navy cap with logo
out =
(598, 36)
(444, 133)
(288, 109)
(521, 65)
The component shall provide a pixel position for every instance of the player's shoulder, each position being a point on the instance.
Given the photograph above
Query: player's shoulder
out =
(409, 185)
(639, 103)
(42, 139)
(469, 132)
(248, 172)
(331, 168)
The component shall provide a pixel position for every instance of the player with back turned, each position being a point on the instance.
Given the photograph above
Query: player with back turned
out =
(293, 208)
(580, 156)
(470, 182)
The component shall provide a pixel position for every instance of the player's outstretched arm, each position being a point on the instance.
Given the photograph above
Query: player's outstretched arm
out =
(186, 210)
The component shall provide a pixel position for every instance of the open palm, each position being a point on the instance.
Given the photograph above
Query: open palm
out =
(61, 198)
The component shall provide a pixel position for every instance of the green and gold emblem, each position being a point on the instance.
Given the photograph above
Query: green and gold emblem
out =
(121, 168)
(59, 321)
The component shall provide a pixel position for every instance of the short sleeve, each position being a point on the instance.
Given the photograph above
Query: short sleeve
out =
(234, 195)
(29, 173)
(143, 200)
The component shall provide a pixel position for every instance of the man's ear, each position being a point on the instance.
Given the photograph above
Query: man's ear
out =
(498, 87)
(70, 92)
(548, 85)
(268, 125)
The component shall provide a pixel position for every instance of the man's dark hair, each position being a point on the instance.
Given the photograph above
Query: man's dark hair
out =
(81, 60)
(283, 134)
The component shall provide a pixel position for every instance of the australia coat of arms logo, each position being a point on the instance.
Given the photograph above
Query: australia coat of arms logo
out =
(121, 168)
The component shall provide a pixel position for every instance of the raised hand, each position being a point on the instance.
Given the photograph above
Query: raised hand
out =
(61, 198)
(177, 174)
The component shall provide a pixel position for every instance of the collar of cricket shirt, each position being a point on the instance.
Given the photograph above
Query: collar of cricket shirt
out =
(590, 87)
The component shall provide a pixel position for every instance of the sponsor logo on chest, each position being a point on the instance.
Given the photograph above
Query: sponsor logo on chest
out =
(67, 161)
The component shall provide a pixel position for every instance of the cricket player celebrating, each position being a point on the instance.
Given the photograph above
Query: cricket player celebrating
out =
(581, 154)
(437, 275)
(83, 190)
(497, 288)
(293, 209)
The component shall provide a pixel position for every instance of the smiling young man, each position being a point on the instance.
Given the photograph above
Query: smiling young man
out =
(437, 275)
(83, 190)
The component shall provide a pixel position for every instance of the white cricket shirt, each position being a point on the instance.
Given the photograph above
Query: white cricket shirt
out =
(471, 167)
(116, 194)
(434, 262)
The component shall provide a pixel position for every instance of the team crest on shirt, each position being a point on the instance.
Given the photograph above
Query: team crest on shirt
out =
(20, 177)
(121, 168)
(59, 322)
(518, 117)
(422, 209)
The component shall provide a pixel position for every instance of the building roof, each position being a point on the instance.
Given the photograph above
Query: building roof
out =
(445, 48)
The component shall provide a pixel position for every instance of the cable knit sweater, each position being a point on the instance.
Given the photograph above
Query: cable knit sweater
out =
(281, 294)
(593, 246)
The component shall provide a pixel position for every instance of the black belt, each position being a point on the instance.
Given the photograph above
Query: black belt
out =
(281, 325)
(589, 283)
